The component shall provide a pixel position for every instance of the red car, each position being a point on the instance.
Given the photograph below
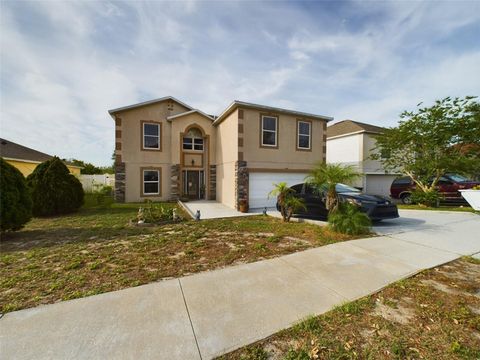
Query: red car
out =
(448, 186)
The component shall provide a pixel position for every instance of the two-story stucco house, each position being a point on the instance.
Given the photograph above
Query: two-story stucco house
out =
(351, 143)
(165, 150)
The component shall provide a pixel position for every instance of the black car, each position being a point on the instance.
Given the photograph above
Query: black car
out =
(376, 207)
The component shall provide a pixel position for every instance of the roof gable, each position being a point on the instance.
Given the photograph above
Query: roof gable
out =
(235, 104)
(150, 102)
(346, 127)
(194, 111)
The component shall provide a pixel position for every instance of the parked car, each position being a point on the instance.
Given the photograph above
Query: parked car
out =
(376, 207)
(448, 186)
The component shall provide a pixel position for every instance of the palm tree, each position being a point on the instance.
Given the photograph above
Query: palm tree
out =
(286, 201)
(292, 205)
(328, 176)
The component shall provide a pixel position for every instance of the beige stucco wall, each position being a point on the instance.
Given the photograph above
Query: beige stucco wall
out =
(226, 184)
(223, 147)
(134, 182)
(135, 158)
(131, 136)
(226, 157)
(286, 156)
(179, 125)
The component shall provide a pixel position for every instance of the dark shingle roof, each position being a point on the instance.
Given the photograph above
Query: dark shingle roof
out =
(9, 149)
(349, 126)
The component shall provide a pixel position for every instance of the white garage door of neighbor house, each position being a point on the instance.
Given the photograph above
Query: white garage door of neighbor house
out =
(260, 185)
(379, 184)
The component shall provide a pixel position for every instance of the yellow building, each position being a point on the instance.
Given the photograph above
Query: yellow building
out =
(26, 159)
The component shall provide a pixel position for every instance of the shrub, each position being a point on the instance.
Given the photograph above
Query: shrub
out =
(154, 213)
(106, 190)
(348, 219)
(101, 196)
(427, 198)
(15, 199)
(54, 190)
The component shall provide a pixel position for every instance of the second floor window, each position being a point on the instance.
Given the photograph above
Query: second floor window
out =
(269, 131)
(304, 134)
(193, 140)
(151, 136)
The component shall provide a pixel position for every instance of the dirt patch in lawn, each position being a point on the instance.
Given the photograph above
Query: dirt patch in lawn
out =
(96, 251)
(433, 315)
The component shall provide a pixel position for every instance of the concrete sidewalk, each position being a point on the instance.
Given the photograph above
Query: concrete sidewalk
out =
(207, 314)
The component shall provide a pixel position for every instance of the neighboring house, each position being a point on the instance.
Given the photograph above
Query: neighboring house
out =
(26, 159)
(166, 150)
(351, 143)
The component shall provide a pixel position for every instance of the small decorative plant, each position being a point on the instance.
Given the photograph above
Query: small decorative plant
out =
(154, 213)
(286, 200)
(243, 206)
(348, 219)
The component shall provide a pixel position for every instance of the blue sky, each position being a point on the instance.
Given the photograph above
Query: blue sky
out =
(64, 64)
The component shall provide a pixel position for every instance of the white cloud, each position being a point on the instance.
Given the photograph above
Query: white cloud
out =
(64, 64)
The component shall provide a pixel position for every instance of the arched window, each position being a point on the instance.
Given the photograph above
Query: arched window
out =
(193, 140)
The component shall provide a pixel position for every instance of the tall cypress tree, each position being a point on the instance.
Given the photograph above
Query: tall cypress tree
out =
(15, 199)
(54, 190)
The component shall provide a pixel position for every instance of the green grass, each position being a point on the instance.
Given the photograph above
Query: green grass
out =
(101, 249)
(441, 208)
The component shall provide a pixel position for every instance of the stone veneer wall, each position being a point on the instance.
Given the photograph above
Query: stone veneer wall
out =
(212, 178)
(174, 182)
(241, 183)
(120, 181)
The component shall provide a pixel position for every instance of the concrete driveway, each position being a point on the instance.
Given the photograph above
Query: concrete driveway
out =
(207, 314)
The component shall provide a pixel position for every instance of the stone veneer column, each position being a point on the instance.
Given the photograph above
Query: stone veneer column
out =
(174, 182)
(212, 178)
(241, 183)
(120, 178)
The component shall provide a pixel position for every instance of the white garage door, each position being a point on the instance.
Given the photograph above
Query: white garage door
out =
(379, 184)
(260, 185)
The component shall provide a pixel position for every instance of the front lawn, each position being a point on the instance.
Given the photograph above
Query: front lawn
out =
(98, 250)
(433, 315)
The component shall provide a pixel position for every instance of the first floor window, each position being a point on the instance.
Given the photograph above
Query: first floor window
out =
(151, 182)
(151, 136)
(269, 130)
(304, 129)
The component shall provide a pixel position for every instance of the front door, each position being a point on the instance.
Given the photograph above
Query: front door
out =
(193, 185)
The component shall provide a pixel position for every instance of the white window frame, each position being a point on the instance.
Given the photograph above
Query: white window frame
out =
(153, 136)
(151, 182)
(270, 131)
(309, 135)
(193, 143)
